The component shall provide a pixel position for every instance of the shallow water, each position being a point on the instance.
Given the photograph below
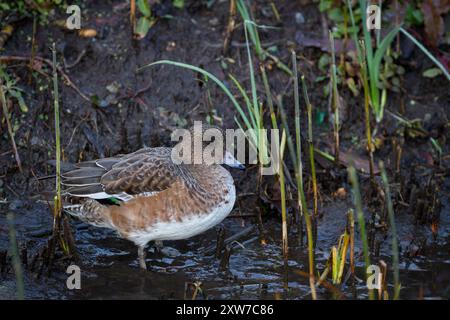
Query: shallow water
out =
(109, 268)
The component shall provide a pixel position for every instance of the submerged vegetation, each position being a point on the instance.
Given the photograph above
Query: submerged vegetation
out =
(263, 84)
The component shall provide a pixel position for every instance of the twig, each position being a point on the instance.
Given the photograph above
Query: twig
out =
(230, 26)
(77, 60)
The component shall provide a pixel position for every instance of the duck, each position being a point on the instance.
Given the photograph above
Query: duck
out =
(147, 196)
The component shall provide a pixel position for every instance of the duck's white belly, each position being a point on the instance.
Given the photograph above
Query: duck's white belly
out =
(189, 226)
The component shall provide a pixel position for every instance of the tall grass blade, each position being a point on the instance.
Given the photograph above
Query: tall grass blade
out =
(58, 202)
(335, 100)
(390, 208)
(311, 145)
(273, 116)
(283, 200)
(361, 222)
(301, 198)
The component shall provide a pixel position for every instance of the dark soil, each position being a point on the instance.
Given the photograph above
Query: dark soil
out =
(131, 109)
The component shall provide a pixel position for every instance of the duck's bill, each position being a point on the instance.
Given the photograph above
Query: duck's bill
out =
(232, 162)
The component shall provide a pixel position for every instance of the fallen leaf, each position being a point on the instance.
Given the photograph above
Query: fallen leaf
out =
(87, 33)
(431, 73)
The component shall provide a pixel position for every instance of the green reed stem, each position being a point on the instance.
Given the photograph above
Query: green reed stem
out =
(335, 100)
(390, 209)
(311, 145)
(361, 221)
(58, 203)
(283, 199)
(298, 144)
(301, 199)
(351, 227)
(370, 147)
(298, 140)
(273, 116)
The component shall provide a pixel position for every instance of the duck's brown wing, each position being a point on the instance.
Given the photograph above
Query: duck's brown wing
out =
(146, 170)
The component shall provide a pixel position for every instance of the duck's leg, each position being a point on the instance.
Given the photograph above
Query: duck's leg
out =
(142, 253)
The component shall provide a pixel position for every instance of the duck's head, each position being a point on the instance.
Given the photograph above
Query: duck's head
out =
(207, 145)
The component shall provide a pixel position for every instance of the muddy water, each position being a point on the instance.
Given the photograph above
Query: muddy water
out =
(109, 268)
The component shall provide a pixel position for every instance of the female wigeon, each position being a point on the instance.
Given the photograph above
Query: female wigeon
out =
(155, 198)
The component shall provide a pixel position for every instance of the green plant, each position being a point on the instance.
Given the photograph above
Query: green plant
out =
(390, 209)
(391, 73)
(57, 208)
(353, 177)
(146, 21)
(252, 29)
(336, 261)
(296, 158)
(24, 8)
(339, 16)
(414, 15)
(284, 235)
(12, 91)
(335, 102)
(373, 60)
(178, 4)
(311, 145)
(253, 119)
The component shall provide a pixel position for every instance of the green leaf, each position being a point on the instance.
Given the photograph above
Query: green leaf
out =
(320, 117)
(336, 15)
(144, 8)
(431, 73)
(246, 99)
(19, 98)
(143, 26)
(413, 16)
(178, 4)
(320, 78)
(325, 5)
(324, 61)
(352, 86)
(374, 68)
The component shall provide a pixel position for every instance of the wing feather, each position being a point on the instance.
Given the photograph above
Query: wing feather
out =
(147, 170)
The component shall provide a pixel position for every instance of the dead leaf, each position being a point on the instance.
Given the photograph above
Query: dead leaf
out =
(87, 33)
